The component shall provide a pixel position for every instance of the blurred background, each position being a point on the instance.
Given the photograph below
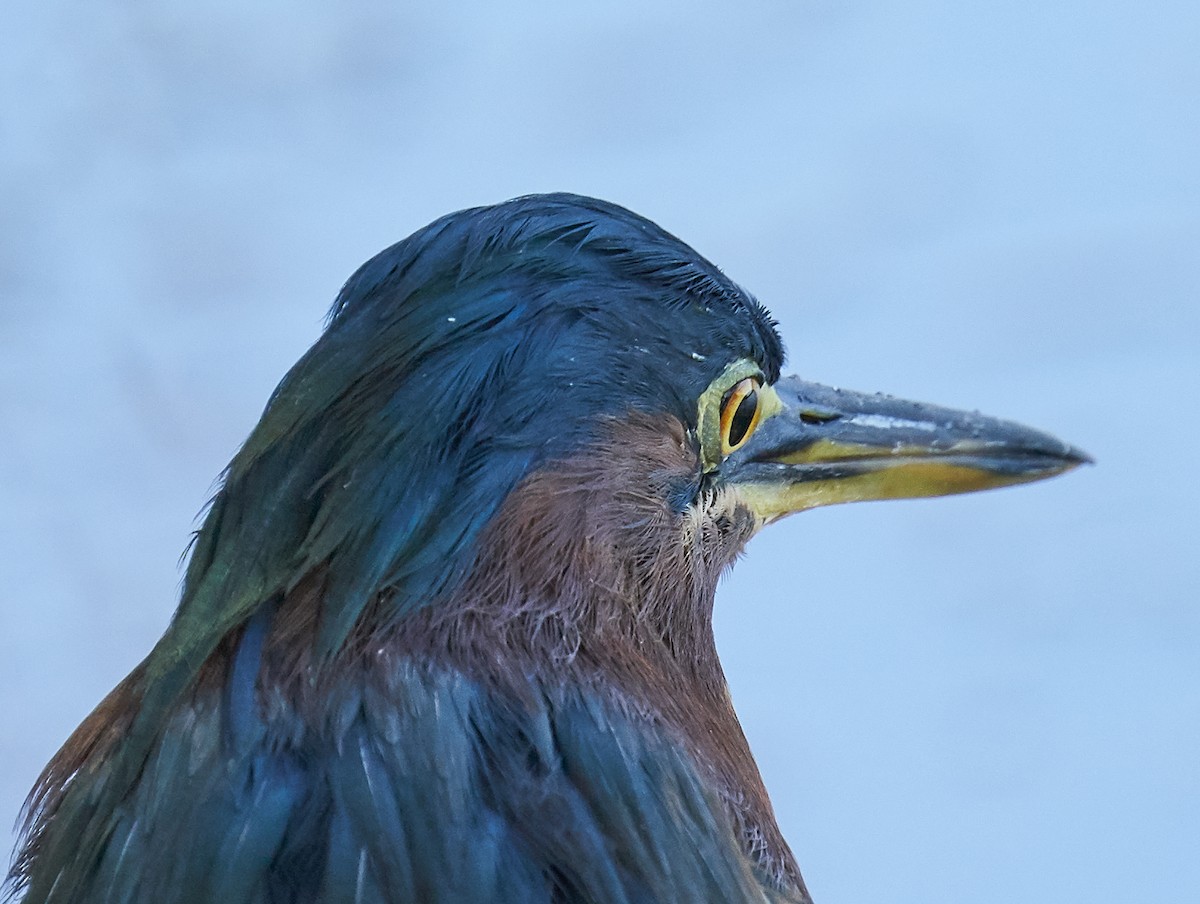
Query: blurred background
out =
(987, 698)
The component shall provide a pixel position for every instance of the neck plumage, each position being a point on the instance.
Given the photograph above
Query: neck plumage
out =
(588, 577)
(589, 581)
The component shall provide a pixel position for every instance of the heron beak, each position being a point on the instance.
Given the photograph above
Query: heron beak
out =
(823, 446)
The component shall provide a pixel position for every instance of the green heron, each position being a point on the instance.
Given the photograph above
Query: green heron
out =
(445, 634)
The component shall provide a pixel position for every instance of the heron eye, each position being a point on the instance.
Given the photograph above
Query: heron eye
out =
(739, 415)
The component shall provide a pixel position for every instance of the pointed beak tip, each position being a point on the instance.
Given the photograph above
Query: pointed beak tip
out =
(1075, 457)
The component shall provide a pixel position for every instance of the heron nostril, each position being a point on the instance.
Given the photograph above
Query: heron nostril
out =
(817, 416)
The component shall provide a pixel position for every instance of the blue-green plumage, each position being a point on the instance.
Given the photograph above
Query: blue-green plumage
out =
(445, 634)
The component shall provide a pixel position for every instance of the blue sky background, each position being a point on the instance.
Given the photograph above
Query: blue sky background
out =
(990, 698)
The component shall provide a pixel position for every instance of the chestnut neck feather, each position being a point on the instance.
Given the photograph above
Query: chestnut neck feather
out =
(589, 575)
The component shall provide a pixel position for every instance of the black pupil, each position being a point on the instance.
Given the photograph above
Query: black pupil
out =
(742, 418)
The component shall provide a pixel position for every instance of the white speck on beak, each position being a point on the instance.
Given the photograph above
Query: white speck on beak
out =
(883, 422)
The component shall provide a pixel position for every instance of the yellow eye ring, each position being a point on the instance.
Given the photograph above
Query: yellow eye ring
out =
(741, 410)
